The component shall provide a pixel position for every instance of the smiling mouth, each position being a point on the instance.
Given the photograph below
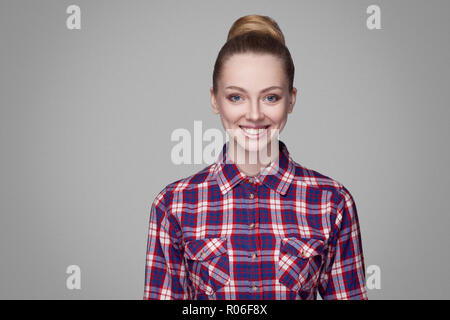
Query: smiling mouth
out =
(252, 132)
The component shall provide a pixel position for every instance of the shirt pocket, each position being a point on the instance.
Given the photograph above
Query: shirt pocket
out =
(208, 263)
(299, 263)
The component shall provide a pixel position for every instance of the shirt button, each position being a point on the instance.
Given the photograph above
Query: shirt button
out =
(255, 288)
(254, 256)
(250, 180)
(252, 225)
(251, 196)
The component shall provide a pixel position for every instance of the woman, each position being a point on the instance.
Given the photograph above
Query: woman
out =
(254, 224)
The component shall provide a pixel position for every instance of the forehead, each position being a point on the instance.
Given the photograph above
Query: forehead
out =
(253, 71)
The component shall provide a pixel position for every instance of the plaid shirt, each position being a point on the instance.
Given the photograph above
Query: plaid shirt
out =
(286, 233)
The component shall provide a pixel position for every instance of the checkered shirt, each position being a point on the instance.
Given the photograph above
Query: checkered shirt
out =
(287, 233)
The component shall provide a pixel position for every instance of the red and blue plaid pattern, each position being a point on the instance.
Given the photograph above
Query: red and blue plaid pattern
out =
(288, 233)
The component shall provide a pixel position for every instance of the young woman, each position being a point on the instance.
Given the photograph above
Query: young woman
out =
(269, 228)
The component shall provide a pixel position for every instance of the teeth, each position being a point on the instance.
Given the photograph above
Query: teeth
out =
(254, 131)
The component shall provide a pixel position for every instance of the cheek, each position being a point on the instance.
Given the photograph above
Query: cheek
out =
(278, 114)
(227, 120)
(230, 115)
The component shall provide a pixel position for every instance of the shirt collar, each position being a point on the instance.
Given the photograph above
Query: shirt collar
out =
(277, 176)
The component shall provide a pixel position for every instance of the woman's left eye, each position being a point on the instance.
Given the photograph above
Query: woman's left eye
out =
(274, 98)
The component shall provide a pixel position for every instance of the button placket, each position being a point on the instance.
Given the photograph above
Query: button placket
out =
(253, 246)
(252, 196)
(252, 189)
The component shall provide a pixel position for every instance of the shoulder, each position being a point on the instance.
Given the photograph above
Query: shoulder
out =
(340, 199)
(166, 195)
(308, 177)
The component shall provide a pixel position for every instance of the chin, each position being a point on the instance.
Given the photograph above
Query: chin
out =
(251, 145)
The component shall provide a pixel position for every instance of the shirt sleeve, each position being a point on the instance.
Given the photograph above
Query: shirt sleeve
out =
(343, 273)
(165, 271)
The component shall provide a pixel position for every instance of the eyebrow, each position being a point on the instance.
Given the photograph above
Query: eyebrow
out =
(264, 90)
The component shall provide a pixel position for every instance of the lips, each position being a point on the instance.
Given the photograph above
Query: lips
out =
(254, 131)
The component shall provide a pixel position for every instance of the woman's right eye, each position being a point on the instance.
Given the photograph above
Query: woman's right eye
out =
(231, 97)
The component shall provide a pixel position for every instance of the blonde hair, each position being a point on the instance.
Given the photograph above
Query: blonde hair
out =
(257, 23)
(255, 34)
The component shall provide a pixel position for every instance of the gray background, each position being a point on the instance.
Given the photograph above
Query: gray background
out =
(86, 118)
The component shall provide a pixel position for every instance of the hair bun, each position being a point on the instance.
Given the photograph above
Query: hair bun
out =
(256, 23)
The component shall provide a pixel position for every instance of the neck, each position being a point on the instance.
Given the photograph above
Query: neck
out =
(252, 162)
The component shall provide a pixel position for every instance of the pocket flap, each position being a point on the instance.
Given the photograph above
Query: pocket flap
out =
(303, 247)
(205, 249)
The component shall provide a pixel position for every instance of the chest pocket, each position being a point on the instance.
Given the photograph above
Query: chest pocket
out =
(208, 263)
(299, 263)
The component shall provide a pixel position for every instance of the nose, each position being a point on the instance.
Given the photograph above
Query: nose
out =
(254, 112)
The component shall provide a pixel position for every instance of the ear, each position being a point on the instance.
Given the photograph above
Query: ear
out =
(292, 100)
(214, 102)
